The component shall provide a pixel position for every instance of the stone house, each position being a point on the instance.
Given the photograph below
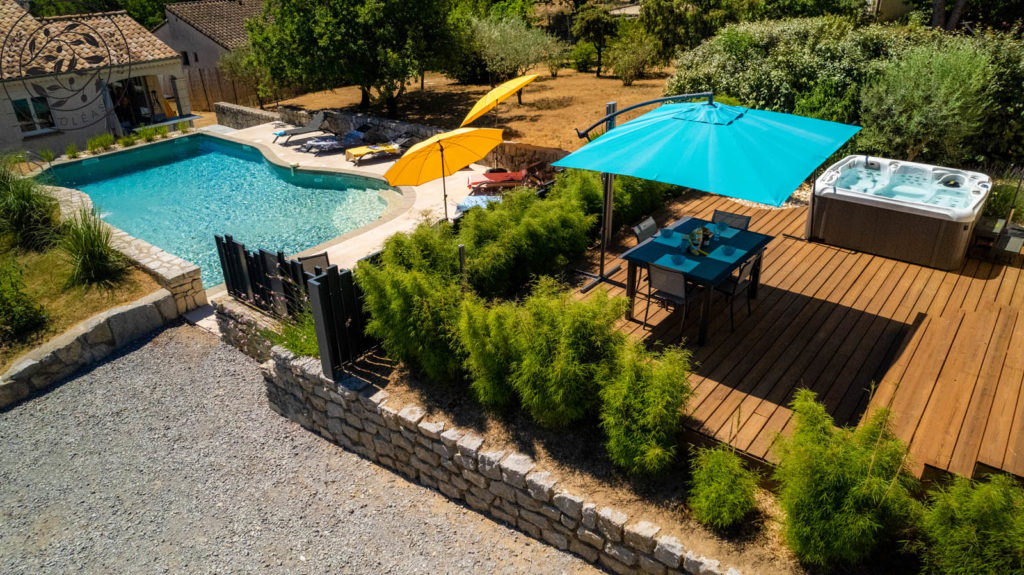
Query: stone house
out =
(202, 31)
(69, 78)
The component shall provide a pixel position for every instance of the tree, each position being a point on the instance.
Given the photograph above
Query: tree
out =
(596, 25)
(633, 53)
(509, 47)
(240, 65)
(374, 44)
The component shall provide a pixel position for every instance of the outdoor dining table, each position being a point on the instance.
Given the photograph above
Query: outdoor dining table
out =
(725, 254)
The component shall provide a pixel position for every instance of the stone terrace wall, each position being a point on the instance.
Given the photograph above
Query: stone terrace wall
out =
(241, 327)
(241, 117)
(340, 122)
(507, 486)
(84, 344)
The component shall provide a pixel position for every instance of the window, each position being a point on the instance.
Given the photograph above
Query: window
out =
(33, 114)
(184, 58)
(195, 57)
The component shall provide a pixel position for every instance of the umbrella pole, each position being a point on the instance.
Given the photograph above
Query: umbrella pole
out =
(444, 188)
(606, 212)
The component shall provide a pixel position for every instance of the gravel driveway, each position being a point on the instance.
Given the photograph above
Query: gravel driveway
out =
(168, 460)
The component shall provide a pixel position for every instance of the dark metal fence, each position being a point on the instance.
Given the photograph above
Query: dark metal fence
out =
(282, 287)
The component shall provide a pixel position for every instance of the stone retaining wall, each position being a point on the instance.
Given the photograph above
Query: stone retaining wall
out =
(86, 343)
(241, 117)
(340, 122)
(241, 327)
(506, 486)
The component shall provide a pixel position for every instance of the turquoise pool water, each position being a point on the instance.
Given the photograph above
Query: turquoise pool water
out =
(178, 194)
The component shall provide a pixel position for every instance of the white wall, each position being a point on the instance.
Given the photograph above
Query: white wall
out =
(182, 37)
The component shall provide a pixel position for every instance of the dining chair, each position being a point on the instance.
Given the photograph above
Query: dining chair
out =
(737, 221)
(643, 231)
(669, 288)
(734, 285)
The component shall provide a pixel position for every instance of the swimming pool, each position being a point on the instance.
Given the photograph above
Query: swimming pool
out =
(178, 194)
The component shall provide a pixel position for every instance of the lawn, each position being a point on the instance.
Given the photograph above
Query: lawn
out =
(43, 275)
(551, 107)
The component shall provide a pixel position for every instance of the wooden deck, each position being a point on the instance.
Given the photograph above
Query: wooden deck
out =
(837, 321)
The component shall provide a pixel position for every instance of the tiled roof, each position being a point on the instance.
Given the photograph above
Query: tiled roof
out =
(223, 21)
(41, 46)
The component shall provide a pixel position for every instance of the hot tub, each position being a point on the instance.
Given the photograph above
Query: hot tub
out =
(902, 210)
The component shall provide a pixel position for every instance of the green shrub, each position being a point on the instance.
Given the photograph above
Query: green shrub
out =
(28, 214)
(555, 52)
(127, 141)
(47, 155)
(722, 488)
(511, 242)
(844, 491)
(297, 335)
(1000, 202)
(162, 131)
(413, 313)
(182, 127)
(928, 104)
(634, 197)
(99, 143)
(86, 243)
(71, 151)
(583, 56)
(641, 404)
(147, 134)
(975, 527)
(487, 338)
(20, 313)
(565, 348)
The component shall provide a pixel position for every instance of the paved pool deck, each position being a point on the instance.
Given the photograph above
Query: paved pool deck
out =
(405, 210)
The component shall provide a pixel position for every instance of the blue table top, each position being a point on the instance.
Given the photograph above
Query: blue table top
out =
(724, 255)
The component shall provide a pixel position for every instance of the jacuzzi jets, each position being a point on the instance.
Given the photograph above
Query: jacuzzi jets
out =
(904, 210)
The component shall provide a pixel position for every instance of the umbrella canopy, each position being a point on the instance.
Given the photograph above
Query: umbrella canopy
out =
(727, 150)
(496, 96)
(441, 156)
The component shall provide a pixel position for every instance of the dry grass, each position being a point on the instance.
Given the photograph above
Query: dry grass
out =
(44, 275)
(551, 109)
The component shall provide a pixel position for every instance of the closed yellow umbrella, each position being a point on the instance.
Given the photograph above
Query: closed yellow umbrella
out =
(496, 96)
(442, 156)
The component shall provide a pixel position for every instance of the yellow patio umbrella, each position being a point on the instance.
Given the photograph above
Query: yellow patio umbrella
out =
(442, 156)
(496, 96)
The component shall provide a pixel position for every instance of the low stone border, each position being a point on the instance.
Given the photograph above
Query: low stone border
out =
(241, 117)
(506, 486)
(174, 274)
(86, 343)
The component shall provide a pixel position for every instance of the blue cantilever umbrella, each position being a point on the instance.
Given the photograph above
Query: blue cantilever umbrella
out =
(727, 150)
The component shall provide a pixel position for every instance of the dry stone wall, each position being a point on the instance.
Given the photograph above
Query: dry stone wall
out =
(84, 344)
(241, 117)
(507, 486)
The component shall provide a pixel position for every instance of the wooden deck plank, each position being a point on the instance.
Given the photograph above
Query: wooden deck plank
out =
(964, 453)
(935, 437)
(1008, 395)
(742, 383)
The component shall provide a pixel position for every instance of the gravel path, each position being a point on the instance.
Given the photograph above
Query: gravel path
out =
(167, 459)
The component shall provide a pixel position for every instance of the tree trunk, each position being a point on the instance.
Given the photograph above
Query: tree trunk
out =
(599, 63)
(422, 76)
(364, 99)
(938, 13)
(954, 16)
(391, 105)
(519, 96)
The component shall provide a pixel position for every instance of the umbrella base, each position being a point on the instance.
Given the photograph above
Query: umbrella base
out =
(597, 278)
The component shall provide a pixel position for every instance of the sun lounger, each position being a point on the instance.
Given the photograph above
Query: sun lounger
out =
(476, 201)
(497, 178)
(377, 151)
(334, 143)
(311, 127)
